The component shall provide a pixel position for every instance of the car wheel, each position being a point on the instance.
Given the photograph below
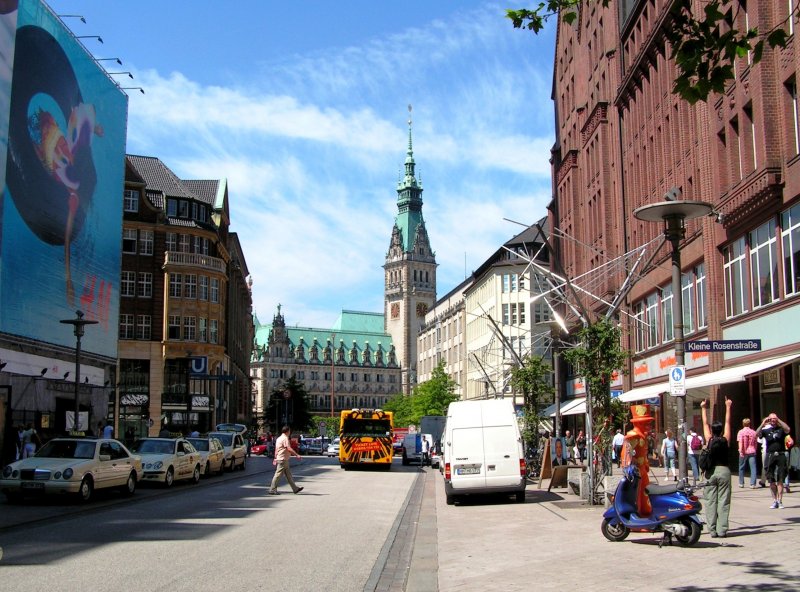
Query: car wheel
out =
(130, 485)
(169, 479)
(451, 499)
(85, 490)
(207, 470)
(221, 467)
(233, 465)
(520, 495)
(196, 475)
(243, 462)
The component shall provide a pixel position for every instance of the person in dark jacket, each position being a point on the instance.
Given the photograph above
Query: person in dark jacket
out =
(717, 493)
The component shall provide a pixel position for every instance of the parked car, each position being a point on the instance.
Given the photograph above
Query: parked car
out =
(235, 449)
(168, 459)
(73, 466)
(262, 447)
(212, 454)
(333, 448)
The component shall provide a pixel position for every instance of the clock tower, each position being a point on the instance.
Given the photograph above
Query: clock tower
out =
(409, 272)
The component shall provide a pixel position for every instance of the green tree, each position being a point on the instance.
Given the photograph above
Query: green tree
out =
(331, 426)
(427, 398)
(597, 357)
(532, 379)
(704, 46)
(292, 408)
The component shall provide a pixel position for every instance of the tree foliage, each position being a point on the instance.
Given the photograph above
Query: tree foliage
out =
(704, 45)
(331, 426)
(292, 410)
(532, 379)
(597, 357)
(428, 398)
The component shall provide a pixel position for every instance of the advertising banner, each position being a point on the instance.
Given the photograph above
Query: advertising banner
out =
(61, 206)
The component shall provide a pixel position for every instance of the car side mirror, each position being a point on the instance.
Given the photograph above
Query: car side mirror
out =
(105, 457)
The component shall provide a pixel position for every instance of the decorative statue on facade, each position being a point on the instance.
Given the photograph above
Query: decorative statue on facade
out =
(636, 439)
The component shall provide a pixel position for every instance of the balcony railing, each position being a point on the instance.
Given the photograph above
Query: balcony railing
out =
(194, 260)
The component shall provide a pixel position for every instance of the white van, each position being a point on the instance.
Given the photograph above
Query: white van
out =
(483, 450)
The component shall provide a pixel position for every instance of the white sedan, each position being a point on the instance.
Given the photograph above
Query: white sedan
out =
(235, 448)
(168, 460)
(73, 466)
(212, 453)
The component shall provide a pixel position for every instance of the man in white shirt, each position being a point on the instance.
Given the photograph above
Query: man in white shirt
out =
(283, 451)
(617, 443)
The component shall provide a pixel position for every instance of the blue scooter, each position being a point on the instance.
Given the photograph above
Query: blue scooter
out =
(675, 511)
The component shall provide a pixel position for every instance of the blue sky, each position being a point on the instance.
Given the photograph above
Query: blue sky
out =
(302, 106)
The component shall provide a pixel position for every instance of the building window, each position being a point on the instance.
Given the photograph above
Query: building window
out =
(145, 242)
(791, 88)
(126, 326)
(190, 285)
(174, 327)
(513, 282)
(130, 200)
(735, 285)
(522, 313)
(668, 329)
(145, 284)
(506, 283)
(189, 328)
(213, 331)
(688, 304)
(514, 314)
(763, 265)
(206, 244)
(651, 318)
(214, 290)
(203, 287)
(202, 334)
(198, 244)
(183, 208)
(172, 207)
(183, 245)
(175, 281)
(702, 304)
(327, 376)
(129, 241)
(172, 241)
(640, 328)
(143, 327)
(128, 284)
(790, 236)
(505, 314)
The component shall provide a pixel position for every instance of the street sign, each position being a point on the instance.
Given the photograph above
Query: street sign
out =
(677, 381)
(724, 345)
(321, 427)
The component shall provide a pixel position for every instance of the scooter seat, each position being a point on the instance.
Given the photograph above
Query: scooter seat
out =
(663, 489)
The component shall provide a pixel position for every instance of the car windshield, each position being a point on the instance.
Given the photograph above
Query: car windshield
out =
(68, 449)
(153, 447)
(199, 444)
(226, 439)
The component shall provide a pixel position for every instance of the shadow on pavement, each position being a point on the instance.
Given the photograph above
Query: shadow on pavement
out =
(774, 577)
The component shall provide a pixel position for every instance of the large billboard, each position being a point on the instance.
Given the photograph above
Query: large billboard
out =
(61, 206)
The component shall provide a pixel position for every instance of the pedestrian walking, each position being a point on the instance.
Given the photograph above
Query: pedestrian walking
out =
(774, 431)
(426, 451)
(569, 440)
(617, 443)
(580, 444)
(284, 451)
(669, 455)
(746, 440)
(30, 441)
(694, 445)
(717, 492)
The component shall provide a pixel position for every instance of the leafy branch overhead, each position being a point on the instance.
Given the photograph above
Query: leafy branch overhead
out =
(704, 45)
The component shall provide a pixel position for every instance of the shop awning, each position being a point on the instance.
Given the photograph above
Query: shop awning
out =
(724, 376)
(568, 407)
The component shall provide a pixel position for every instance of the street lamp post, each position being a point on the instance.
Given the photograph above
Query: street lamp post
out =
(674, 214)
(78, 324)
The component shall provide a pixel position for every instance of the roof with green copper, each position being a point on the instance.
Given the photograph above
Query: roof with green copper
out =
(362, 330)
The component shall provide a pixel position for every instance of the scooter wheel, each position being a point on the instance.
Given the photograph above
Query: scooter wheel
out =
(692, 537)
(614, 532)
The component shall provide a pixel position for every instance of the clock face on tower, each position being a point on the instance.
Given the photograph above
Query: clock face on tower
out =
(395, 310)
(422, 308)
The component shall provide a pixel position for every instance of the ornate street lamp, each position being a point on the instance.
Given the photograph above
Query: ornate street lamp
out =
(78, 324)
(674, 213)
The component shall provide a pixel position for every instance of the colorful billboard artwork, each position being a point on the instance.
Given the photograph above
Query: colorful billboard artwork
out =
(8, 30)
(62, 208)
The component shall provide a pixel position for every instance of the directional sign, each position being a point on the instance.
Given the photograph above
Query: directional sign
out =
(677, 381)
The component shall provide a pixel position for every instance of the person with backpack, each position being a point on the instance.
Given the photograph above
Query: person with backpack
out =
(746, 439)
(695, 445)
(717, 492)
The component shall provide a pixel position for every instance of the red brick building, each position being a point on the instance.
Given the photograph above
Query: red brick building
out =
(623, 140)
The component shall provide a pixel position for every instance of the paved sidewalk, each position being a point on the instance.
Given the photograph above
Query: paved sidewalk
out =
(553, 542)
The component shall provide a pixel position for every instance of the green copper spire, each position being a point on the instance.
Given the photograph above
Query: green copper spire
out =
(409, 197)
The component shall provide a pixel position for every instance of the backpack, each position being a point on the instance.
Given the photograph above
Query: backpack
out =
(706, 460)
(696, 443)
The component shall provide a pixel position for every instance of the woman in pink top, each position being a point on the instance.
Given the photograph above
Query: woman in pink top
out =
(747, 452)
